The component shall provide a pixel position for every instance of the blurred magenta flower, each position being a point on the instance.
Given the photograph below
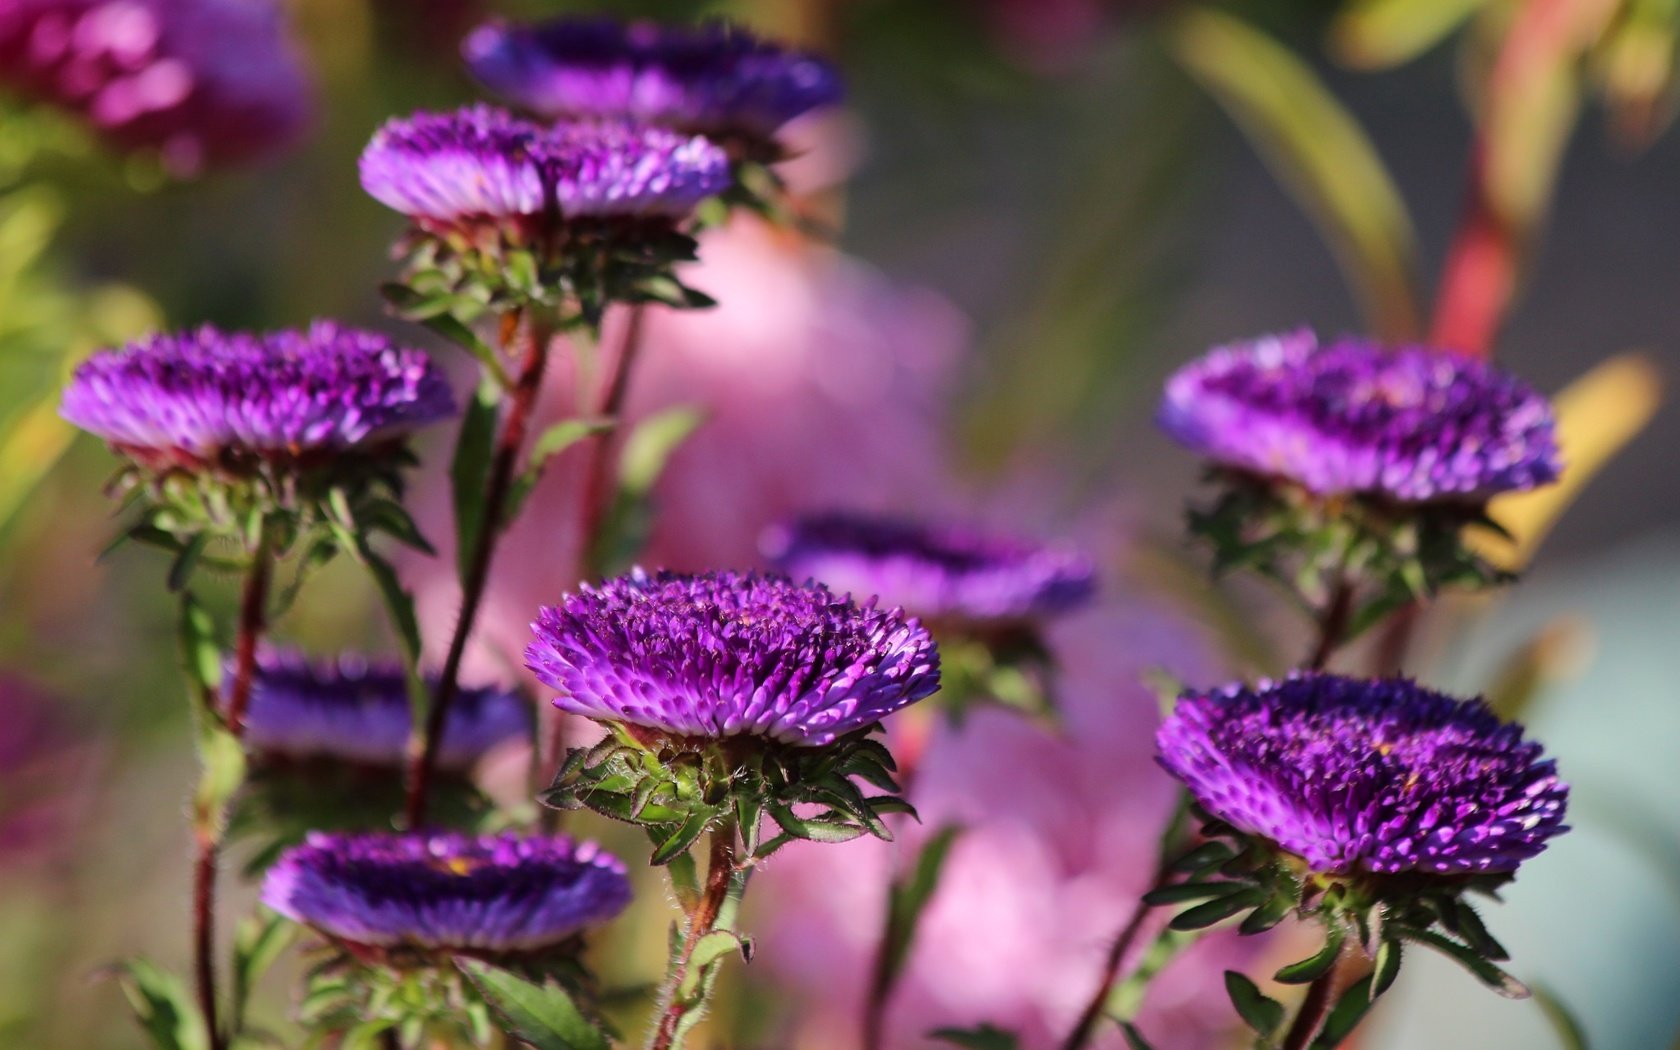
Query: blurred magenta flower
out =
(47, 775)
(944, 572)
(1060, 840)
(202, 82)
(714, 79)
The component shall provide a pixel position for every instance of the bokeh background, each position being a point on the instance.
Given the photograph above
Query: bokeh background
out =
(1037, 209)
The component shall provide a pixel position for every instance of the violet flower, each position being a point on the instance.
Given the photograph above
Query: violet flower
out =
(1411, 425)
(230, 400)
(713, 79)
(723, 655)
(354, 710)
(485, 895)
(942, 572)
(1378, 777)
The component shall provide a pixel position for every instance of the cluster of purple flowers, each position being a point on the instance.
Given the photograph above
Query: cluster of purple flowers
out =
(218, 399)
(486, 895)
(202, 82)
(727, 655)
(355, 710)
(943, 572)
(1367, 777)
(1412, 424)
(716, 80)
(482, 167)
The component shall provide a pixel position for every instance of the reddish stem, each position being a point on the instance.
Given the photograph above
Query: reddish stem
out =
(720, 873)
(516, 422)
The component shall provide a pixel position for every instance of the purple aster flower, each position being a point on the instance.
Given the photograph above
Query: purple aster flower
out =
(482, 167)
(353, 710)
(207, 397)
(1409, 424)
(714, 79)
(1366, 776)
(203, 82)
(941, 572)
(490, 894)
(725, 655)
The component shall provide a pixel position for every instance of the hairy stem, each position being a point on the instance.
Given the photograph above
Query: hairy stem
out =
(253, 620)
(1117, 952)
(1332, 626)
(720, 875)
(1320, 1000)
(516, 422)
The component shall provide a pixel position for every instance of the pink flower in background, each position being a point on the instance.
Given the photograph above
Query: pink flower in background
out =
(203, 82)
(823, 383)
(47, 775)
(1060, 841)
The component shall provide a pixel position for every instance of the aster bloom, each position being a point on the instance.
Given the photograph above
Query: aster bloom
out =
(1412, 425)
(231, 400)
(714, 79)
(482, 895)
(1359, 777)
(354, 710)
(942, 572)
(202, 82)
(481, 166)
(723, 655)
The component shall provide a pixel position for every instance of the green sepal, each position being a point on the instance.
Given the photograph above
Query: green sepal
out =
(1316, 965)
(1260, 1012)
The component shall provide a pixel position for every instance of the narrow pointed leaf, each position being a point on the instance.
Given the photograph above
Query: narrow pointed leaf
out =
(470, 468)
(542, 1015)
(1259, 1012)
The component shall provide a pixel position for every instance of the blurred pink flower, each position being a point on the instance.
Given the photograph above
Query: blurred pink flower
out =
(47, 775)
(1060, 841)
(202, 82)
(823, 384)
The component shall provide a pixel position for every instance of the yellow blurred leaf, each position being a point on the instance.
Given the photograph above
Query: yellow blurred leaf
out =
(1597, 415)
(27, 451)
(1318, 151)
(1381, 34)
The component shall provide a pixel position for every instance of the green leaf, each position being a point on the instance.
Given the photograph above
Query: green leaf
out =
(1181, 892)
(715, 946)
(1259, 1012)
(469, 469)
(200, 654)
(542, 1015)
(180, 571)
(646, 451)
(985, 1037)
(1344, 1016)
(163, 1006)
(1381, 34)
(907, 899)
(550, 443)
(398, 603)
(259, 942)
(1312, 968)
(1465, 956)
(683, 836)
(1387, 966)
(1318, 151)
(1571, 1036)
(1267, 915)
(1216, 911)
(434, 314)
(223, 760)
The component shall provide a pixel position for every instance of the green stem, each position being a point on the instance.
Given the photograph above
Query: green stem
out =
(721, 877)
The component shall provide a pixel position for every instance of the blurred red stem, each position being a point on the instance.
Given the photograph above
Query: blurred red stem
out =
(516, 421)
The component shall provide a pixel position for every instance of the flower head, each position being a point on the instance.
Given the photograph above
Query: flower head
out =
(201, 81)
(940, 572)
(489, 894)
(481, 166)
(352, 710)
(207, 397)
(713, 79)
(1411, 424)
(1366, 776)
(726, 655)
